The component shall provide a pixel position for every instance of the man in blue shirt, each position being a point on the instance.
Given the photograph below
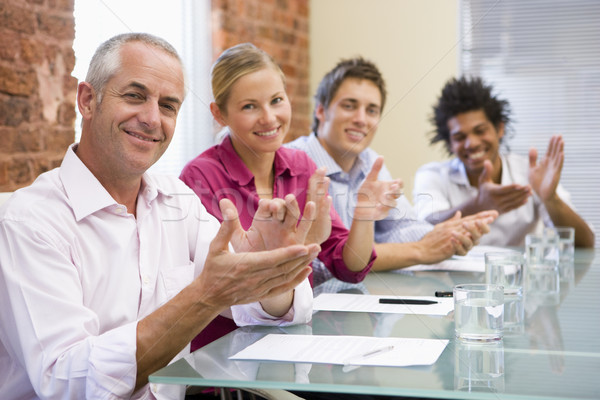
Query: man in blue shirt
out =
(349, 103)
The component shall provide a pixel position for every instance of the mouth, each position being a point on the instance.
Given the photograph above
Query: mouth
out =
(355, 135)
(480, 155)
(140, 137)
(268, 133)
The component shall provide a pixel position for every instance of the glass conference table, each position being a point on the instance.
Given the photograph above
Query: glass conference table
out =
(555, 356)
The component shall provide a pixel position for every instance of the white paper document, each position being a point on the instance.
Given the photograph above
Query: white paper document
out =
(344, 350)
(474, 261)
(370, 303)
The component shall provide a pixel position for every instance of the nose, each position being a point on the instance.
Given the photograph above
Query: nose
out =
(360, 116)
(267, 116)
(472, 141)
(150, 115)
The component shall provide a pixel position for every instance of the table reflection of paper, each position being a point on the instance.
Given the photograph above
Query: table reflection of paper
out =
(370, 303)
(344, 350)
(474, 261)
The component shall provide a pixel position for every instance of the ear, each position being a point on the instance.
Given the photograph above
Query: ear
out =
(217, 114)
(320, 114)
(86, 99)
(500, 130)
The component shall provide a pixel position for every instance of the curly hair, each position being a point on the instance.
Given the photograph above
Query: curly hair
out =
(358, 68)
(463, 95)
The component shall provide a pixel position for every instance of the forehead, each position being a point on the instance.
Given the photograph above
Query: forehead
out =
(362, 90)
(467, 121)
(265, 81)
(151, 67)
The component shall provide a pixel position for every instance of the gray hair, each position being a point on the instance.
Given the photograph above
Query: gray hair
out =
(107, 61)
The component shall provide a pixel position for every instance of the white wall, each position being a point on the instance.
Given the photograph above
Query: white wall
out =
(414, 43)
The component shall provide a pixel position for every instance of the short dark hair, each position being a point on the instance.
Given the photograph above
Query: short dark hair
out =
(358, 68)
(463, 95)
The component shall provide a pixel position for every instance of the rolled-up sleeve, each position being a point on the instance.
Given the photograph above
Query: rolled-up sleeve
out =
(300, 312)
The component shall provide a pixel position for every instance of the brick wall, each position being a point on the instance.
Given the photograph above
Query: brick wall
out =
(279, 27)
(37, 91)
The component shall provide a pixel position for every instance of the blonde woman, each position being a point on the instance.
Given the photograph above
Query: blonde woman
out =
(250, 164)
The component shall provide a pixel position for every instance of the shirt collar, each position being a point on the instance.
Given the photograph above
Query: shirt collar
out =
(239, 172)
(458, 173)
(86, 193)
(325, 160)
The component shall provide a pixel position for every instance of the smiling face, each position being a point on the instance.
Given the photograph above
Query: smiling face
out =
(348, 125)
(132, 126)
(474, 139)
(258, 114)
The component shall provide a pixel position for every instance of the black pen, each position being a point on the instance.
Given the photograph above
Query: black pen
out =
(407, 301)
(441, 293)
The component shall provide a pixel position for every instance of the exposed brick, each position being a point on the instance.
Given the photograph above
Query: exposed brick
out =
(56, 26)
(14, 110)
(58, 140)
(20, 171)
(9, 44)
(32, 51)
(20, 83)
(13, 16)
(66, 114)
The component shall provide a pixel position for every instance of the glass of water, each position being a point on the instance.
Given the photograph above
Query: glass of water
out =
(566, 243)
(478, 312)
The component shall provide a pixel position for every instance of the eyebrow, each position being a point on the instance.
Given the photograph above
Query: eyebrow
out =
(144, 88)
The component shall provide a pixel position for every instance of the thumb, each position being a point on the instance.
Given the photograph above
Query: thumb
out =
(486, 174)
(374, 173)
(230, 224)
(532, 157)
(457, 215)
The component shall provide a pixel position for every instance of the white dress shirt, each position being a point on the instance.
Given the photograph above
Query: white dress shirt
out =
(77, 273)
(443, 185)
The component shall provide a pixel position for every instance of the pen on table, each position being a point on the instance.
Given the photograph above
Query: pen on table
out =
(407, 301)
(442, 293)
(351, 364)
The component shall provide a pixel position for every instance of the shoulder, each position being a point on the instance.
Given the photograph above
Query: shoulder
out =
(208, 162)
(300, 143)
(438, 167)
(297, 159)
(34, 201)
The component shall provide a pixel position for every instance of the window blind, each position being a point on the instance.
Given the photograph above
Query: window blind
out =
(543, 56)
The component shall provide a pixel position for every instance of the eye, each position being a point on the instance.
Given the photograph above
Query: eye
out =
(248, 107)
(133, 96)
(169, 107)
(277, 100)
(347, 106)
(457, 138)
(373, 111)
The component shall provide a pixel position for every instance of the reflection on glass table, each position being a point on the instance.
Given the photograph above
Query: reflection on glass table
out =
(555, 356)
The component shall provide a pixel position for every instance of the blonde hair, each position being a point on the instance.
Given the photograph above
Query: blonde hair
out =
(234, 63)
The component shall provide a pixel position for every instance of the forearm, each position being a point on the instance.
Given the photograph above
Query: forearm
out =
(359, 246)
(278, 306)
(396, 255)
(467, 208)
(563, 215)
(165, 332)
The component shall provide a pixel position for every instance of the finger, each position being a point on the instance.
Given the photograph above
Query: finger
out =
(278, 209)
(463, 243)
(374, 173)
(308, 217)
(292, 214)
(533, 157)
(231, 223)
(282, 285)
(313, 181)
(263, 212)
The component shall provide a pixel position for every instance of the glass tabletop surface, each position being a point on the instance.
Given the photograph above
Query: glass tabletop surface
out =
(556, 354)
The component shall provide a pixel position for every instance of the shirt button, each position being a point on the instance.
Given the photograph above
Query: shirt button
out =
(119, 210)
(154, 388)
(146, 280)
